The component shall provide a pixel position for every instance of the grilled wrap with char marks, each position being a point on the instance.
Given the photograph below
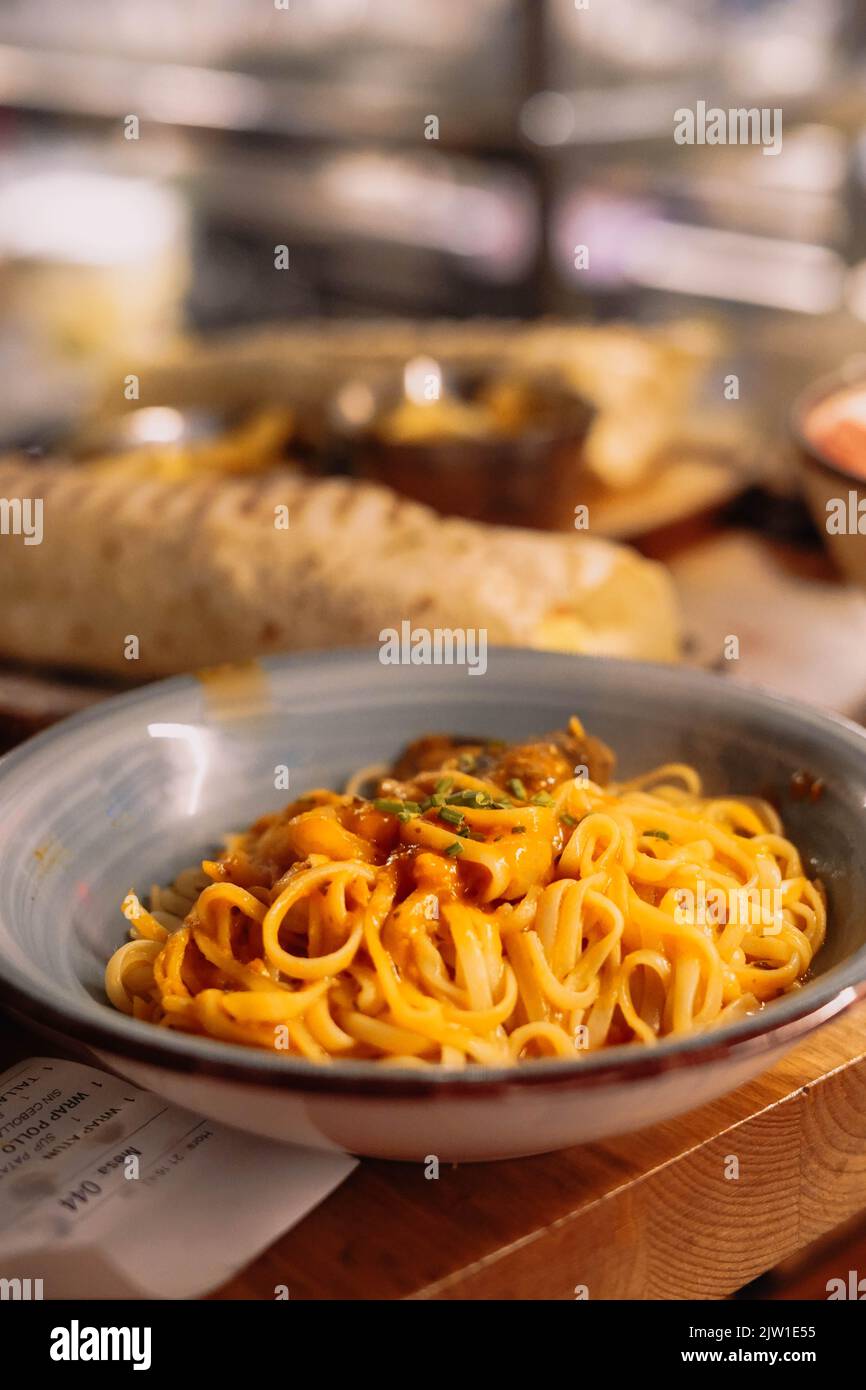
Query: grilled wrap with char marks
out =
(204, 571)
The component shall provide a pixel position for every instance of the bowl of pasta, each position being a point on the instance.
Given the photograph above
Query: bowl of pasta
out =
(418, 907)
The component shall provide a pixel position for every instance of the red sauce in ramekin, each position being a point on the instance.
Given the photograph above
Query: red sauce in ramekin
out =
(837, 426)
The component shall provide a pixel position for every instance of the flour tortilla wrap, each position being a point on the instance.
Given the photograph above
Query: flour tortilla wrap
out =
(202, 572)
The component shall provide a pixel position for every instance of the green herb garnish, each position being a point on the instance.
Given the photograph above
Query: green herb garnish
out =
(518, 829)
(454, 848)
(658, 834)
(516, 787)
(467, 797)
(403, 810)
(542, 799)
(451, 815)
(443, 786)
(569, 820)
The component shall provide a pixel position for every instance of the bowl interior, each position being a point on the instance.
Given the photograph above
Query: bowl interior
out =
(134, 790)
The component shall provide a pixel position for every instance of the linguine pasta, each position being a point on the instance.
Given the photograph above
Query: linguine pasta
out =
(463, 915)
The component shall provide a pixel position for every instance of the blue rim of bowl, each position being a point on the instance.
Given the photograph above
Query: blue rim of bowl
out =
(191, 1054)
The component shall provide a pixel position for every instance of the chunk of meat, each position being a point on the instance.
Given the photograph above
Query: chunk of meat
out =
(539, 764)
(432, 752)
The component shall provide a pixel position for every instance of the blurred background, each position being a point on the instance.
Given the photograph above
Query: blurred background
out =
(444, 164)
(305, 126)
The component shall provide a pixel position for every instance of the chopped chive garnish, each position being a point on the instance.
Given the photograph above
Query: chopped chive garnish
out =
(518, 829)
(569, 820)
(451, 815)
(466, 762)
(659, 834)
(403, 810)
(454, 848)
(542, 799)
(516, 787)
(443, 786)
(468, 797)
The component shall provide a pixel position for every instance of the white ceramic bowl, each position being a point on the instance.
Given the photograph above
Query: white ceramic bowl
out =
(134, 789)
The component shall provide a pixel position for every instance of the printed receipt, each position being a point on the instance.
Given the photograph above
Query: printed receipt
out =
(107, 1191)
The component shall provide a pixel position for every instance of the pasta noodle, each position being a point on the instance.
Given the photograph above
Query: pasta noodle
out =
(460, 917)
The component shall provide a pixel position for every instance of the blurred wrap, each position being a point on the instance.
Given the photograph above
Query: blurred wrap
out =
(201, 571)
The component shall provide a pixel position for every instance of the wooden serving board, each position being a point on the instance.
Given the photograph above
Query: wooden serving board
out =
(650, 1215)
